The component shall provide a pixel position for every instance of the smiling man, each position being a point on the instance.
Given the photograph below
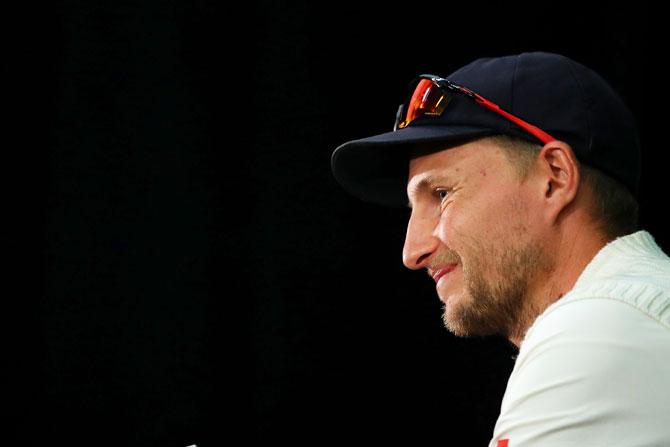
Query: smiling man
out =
(522, 177)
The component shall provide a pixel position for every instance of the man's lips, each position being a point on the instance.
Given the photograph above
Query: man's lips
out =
(439, 273)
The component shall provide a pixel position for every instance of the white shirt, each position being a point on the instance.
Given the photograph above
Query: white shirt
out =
(594, 368)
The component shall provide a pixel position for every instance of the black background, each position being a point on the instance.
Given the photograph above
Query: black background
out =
(183, 268)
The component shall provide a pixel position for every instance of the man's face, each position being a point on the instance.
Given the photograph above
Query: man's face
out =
(472, 228)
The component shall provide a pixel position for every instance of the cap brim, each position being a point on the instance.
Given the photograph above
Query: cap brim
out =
(375, 169)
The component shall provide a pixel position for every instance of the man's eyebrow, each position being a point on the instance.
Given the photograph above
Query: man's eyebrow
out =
(425, 183)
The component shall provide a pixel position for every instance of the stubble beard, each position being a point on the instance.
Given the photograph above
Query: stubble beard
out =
(499, 305)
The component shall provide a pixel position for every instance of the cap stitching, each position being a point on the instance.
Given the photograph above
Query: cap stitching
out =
(511, 103)
(589, 141)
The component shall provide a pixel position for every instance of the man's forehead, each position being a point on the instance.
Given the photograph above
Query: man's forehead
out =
(454, 159)
(449, 166)
(435, 164)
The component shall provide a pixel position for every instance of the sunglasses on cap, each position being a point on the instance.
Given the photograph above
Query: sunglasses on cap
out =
(432, 94)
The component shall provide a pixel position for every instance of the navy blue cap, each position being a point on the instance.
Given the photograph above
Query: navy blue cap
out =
(559, 95)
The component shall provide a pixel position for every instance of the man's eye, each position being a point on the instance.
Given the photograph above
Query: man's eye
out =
(442, 193)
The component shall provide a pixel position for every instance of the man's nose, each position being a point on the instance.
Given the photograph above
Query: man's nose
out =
(420, 242)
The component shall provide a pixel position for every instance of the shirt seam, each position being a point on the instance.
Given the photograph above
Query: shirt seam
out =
(604, 297)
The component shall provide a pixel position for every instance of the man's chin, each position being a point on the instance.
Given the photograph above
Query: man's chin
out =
(452, 315)
(462, 321)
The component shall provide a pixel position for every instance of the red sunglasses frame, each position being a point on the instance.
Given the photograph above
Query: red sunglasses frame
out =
(447, 86)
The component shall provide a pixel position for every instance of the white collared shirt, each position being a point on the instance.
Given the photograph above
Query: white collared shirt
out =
(594, 368)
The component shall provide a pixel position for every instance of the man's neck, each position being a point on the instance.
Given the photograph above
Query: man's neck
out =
(574, 249)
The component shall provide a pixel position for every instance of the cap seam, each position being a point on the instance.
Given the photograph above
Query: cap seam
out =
(586, 106)
(511, 96)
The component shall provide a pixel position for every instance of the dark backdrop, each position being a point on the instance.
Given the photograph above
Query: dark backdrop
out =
(183, 267)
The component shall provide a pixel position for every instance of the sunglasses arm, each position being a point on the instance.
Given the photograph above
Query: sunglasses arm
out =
(536, 132)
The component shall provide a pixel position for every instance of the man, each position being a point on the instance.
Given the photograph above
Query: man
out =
(522, 173)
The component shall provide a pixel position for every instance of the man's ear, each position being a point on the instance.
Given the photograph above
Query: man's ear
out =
(559, 176)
